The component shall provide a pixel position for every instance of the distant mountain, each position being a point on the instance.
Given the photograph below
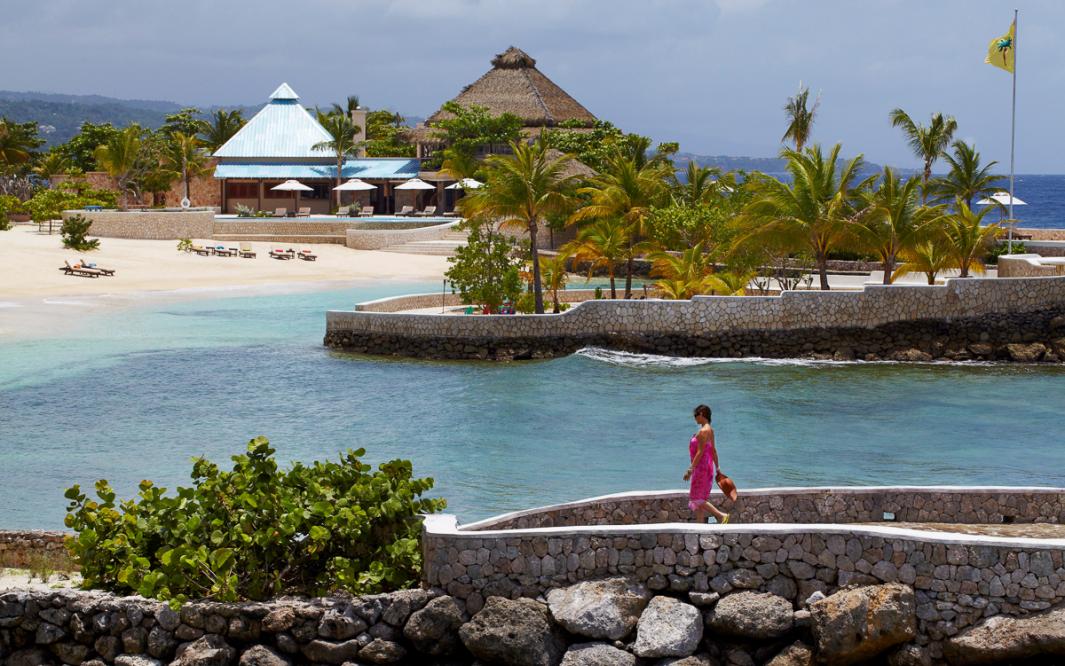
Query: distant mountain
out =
(773, 166)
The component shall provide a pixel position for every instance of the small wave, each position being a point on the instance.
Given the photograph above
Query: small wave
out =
(10, 304)
(638, 360)
(57, 301)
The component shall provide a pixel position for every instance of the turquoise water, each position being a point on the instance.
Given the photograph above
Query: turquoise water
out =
(136, 394)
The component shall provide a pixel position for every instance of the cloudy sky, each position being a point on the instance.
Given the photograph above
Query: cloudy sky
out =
(712, 74)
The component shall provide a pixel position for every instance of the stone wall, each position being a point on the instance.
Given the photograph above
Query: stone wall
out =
(1043, 234)
(983, 318)
(149, 224)
(422, 301)
(203, 190)
(958, 579)
(1029, 265)
(29, 548)
(375, 239)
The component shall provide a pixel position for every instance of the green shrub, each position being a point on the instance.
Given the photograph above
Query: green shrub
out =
(244, 211)
(256, 531)
(49, 204)
(1001, 248)
(74, 230)
(184, 245)
(9, 205)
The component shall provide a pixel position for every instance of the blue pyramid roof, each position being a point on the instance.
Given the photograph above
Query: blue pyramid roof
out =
(282, 128)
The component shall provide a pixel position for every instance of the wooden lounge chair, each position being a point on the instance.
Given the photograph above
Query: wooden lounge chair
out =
(347, 211)
(94, 267)
(367, 211)
(282, 254)
(406, 211)
(201, 250)
(307, 255)
(428, 212)
(79, 270)
(451, 213)
(280, 212)
(222, 251)
(246, 252)
(304, 211)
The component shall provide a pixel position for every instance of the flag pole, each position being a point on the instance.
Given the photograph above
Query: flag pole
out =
(1013, 132)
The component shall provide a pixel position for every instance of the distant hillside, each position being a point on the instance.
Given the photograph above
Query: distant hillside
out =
(773, 166)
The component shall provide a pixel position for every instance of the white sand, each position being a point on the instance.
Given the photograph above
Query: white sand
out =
(22, 579)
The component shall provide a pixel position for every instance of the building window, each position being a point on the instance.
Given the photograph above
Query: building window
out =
(242, 190)
(270, 185)
(321, 191)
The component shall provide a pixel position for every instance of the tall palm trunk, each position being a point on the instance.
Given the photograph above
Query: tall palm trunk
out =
(538, 293)
(822, 270)
(340, 164)
(628, 275)
(613, 289)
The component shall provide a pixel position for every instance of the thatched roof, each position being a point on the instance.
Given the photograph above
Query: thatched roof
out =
(574, 167)
(514, 85)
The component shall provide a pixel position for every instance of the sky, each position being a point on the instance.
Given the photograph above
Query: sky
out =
(711, 74)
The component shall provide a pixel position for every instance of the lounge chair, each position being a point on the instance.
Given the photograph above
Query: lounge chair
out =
(280, 212)
(406, 211)
(304, 211)
(428, 212)
(367, 211)
(451, 213)
(223, 251)
(307, 255)
(93, 266)
(79, 270)
(246, 252)
(347, 211)
(282, 254)
(201, 250)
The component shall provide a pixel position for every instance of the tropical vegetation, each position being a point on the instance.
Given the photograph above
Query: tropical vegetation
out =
(343, 142)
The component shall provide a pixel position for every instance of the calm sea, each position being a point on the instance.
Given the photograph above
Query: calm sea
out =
(137, 394)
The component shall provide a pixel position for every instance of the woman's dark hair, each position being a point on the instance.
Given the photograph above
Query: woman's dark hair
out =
(703, 410)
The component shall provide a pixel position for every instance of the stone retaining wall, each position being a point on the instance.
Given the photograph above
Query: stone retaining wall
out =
(149, 224)
(961, 320)
(375, 239)
(1029, 265)
(422, 301)
(29, 548)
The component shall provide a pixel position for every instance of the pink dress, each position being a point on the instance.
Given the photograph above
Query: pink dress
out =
(702, 479)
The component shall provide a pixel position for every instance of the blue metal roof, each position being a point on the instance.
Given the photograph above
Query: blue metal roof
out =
(282, 128)
(386, 168)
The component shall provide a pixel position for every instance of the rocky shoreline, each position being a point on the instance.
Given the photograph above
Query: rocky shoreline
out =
(1037, 336)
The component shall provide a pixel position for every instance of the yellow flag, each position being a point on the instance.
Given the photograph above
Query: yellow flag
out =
(1000, 51)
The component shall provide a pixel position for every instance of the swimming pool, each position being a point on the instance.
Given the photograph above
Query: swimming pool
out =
(386, 219)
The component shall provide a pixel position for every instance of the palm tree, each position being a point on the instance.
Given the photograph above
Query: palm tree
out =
(928, 257)
(688, 274)
(627, 190)
(119, 158)
(342, 130)
(554, 274)
(892, 220)
(927, 143)
(15, 146)
(523, 189)
(603, 244)
(966, 179)
(800, 119)
(701, 184)
(458, 164)
(185, 156)
(968, 241)
(51, 164)
(811, 212)
(221, 127)
(351, 104)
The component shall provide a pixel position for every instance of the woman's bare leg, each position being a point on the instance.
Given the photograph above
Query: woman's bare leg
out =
(700, 516)
(714, 511)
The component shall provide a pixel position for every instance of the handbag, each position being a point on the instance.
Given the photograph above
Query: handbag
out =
(727, 486)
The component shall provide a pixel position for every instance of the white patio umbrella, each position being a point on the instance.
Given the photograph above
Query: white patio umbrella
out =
(1003, 199)
(415, 184)
(293, 186)
(465, 184)
(354, 185)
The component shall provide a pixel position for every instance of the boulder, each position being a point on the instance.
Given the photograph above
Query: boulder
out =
(754, 615)
(434, 629)
(605, 609)
(596, 654)
(912, 356)
(668, 628)
(694, 660)
(909, 655)
(402, 604)
(210, 650)
(1002, 638)
(704, 599)
(276, 621)
(28, 657)
(340, 626)
(136, 660)
(325, 652)
(515, 632)
(382, 652)
(260, 655)
(857, 624)
(1026, 353)
(796, 654)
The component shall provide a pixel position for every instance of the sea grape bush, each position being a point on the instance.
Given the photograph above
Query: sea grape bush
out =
(256, 531)
(74, 234)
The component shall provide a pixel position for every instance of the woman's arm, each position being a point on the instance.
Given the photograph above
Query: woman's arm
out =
(695, 461)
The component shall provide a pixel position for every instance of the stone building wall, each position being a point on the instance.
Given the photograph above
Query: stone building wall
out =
(361, 238)
(149, 224)
(965, 318)
(203, 190)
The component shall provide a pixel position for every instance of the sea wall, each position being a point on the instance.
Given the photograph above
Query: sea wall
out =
(149, 224)
(422, 301)
(32, 548)
(1029, 265)
(958, 579)
(984, 318)
(360, 238)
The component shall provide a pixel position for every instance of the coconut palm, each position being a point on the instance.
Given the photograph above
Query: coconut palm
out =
(186, 157)
(811, 212)
(342, 144)
(15, 146)
(687, 274)
(554, 274)
(120, 158)
(626, 190)
(523, 189)
(221, 127)
(350, 104)
(892, 220)
(928, 256)
(800, 119)
(51, 164)
(927, 143)
(602, 244)
(966, 179)
(701, 185)
(458, 164)
(968, 241)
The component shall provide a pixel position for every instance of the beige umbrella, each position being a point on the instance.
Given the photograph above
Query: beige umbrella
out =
(293, 186)
(1004, 199)
(465, 184)
(415, 184)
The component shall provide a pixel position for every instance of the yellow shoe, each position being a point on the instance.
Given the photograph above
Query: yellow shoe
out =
(725, 521)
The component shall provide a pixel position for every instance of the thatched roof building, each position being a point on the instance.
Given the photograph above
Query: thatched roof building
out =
(515, 85)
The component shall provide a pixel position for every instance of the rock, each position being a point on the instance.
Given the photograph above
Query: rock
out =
(704, 599)
(814, 598)
(278, 620)
(599, 609)
(1026, 353)
(70, 653)
(668, 628)
(167, 619)
(515, 632)
(48, 633)
(694, 660)
(796, 654)
(382, 652)
(911, 355)
(136, 660)
(1057, 323)
(30, 657)
(738, 657)
(340, 627)
(210, 650)
(981, 349)
(331, 653)
(434, 629)
(856, 624)
(403, 603)
(754, 615)
(596, 654)
(260, 655)
(1003, 638)
(909, 655)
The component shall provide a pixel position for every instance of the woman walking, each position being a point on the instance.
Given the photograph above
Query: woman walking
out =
(704, 469)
